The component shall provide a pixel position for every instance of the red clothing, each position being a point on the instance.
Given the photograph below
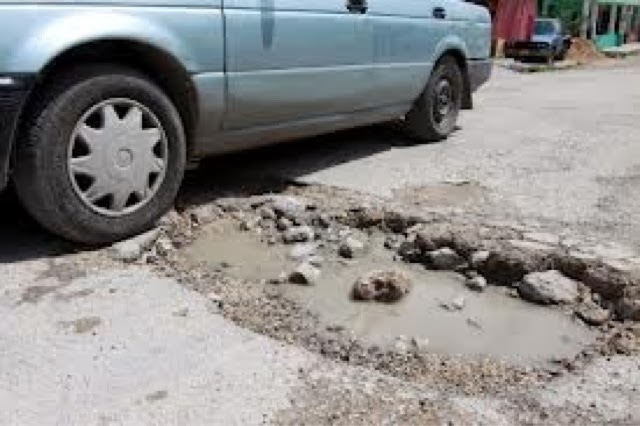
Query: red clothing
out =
(515, 19)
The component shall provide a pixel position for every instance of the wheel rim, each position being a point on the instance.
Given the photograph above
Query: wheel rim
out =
(443, 101)
(117, 158)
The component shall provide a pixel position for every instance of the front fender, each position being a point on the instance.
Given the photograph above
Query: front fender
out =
(32, 37)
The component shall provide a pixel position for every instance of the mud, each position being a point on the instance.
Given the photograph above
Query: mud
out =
(491, 324)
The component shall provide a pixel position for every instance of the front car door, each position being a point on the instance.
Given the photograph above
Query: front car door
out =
(292, 60)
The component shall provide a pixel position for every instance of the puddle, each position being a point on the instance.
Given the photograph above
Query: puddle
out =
(491, 323)
(240, 254)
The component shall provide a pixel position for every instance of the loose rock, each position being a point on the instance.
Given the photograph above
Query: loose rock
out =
(446, 259)
(402, 345)
(628, 309)
(479, 258)
(421, 344)
(164, 246)
(302, 251)
(202, 214)
(382, 286)
(592, 314)
(323, 220)
(283, 224)
(305, 273)
(298, 234)
(132, 249)
(478, 283)
(267, 213)
(288, 206)
(458, 303)
(316, 260)
(351, 248)
(550, 287)
(281, 279)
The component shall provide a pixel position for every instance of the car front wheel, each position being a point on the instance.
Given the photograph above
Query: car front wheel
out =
(101, 155)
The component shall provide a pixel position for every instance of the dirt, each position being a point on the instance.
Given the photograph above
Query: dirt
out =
(584, 51)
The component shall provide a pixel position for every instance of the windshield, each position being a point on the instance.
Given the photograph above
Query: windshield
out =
(544, 28)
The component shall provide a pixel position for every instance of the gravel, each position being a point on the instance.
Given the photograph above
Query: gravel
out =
(299, 234)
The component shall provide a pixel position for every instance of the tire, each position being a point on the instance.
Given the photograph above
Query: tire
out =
(562, 55)
(425, 122)
(48, 167)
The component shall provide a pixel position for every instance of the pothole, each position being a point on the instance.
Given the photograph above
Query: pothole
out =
(489, 324)
(237, 252)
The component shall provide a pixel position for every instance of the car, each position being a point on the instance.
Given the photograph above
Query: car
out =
(103, 103)
(548, 43)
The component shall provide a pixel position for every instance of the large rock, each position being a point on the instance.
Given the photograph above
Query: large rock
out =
(446, 259)
(382, 286)
(298, 234)
(351, 248)
(549, 287)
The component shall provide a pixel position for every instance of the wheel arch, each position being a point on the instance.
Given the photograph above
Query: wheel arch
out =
(160, 66)
(456, 49)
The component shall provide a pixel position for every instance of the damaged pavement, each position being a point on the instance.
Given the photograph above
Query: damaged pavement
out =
(474, 287)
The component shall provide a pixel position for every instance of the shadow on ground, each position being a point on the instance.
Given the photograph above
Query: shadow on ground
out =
(265, 170)
(21, 238)
(270, 169)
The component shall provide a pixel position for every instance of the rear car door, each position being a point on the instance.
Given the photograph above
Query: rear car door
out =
(406, 36)
(291, 60)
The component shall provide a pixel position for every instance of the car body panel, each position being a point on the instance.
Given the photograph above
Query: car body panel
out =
(276, 48)
(263, 70)
(34, 36)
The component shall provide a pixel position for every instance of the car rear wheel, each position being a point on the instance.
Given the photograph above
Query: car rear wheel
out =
(435, 113)
(101, 155)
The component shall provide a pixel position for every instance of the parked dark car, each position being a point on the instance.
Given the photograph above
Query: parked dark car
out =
(548, 43)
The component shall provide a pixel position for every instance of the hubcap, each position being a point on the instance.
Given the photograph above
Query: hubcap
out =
(117, 157)
(443, 100)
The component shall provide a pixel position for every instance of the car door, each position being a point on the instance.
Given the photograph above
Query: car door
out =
(406, 37)
(291, 60)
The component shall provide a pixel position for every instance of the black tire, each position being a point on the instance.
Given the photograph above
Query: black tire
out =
(562, 55)
(41, 171)
(424, 122)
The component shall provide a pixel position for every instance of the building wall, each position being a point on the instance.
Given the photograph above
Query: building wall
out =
(514, 19)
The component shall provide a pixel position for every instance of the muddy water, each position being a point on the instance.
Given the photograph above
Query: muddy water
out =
(490, 324)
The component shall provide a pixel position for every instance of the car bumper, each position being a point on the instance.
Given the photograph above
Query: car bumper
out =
(13, 93)
(479, 72)
(528, 52)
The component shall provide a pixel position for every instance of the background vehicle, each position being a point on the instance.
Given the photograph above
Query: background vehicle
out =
(548, 43)
(102, 102)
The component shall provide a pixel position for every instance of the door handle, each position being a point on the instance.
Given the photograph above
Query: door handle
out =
(439, 12)
(357, 6)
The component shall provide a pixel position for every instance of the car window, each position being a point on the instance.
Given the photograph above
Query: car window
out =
(544, 28)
